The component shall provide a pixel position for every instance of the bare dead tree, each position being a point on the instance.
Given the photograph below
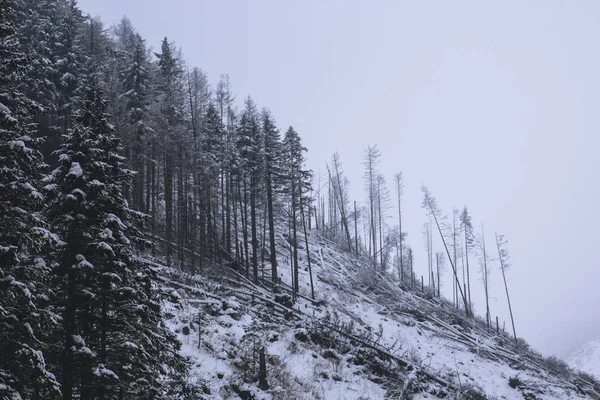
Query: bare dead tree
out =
(399, 193)
(467, 229)
(504, 265)
(485, 276)
(430, 204)
(371, 162)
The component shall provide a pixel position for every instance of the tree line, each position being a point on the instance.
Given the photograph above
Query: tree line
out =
(110, 152)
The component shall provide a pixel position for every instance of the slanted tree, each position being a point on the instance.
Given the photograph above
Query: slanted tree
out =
(339, 185)
(504, 257)
(23, 236)
(115, 343)
(430, 204)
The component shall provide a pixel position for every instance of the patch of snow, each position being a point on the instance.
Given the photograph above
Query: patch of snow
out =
(587, 359)
(75, 170)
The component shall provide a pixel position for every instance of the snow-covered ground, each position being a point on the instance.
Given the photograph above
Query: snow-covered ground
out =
(363, 337)
(587, 359)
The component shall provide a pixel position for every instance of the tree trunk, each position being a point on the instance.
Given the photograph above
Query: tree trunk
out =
(464, 298)
(355, 229)
(253, 189)
(485, 279)
(468, 272)
(503, 268)
(312, 287)
(294, 237)
(168, 179)
(272, 248)
(262, 370)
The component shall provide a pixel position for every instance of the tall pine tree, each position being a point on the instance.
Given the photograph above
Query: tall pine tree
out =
(23, 236)
(115, 343)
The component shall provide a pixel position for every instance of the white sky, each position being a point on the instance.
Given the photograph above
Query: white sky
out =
(493, 105)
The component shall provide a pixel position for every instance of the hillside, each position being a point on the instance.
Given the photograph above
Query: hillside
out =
(364, 337)
(163, 237)
(587, 358)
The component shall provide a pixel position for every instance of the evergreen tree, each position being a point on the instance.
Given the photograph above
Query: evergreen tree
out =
(209, 159)
(169, 122)
(23, 236)
(115, 344)
(248, 150)
(272, 174)
(297, 186)
(135, 91)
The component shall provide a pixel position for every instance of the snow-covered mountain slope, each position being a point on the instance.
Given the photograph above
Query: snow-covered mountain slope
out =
(587, 359)
(364, 337)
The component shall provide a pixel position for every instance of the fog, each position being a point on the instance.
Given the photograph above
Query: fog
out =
(491, 106)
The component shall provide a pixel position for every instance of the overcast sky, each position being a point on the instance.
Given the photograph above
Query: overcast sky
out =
(494, 106)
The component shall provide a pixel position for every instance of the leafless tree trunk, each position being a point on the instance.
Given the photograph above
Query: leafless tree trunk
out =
(399, 190)
(430, 203)
(503, 256)
(485, 277)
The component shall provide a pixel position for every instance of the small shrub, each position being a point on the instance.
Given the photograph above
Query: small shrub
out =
(292, 347)
(186, 330)
(301, 335)
(330, 354)
(557, 366)
(584, 376)
(514, 382)
(522, 345)
(284, 300)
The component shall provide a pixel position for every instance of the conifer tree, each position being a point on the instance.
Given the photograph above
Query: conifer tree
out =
(168, 121)
(272, 172)
(23, 233)
(297, 184)
(115, 344)
(249, 151)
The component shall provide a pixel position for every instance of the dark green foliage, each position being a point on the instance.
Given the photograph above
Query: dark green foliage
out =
(23, 234)
(208, 178)
(112, 322)
(514, 382)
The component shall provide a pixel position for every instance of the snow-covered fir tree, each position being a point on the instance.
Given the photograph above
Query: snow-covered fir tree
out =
(23, 233)
(114, 342)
